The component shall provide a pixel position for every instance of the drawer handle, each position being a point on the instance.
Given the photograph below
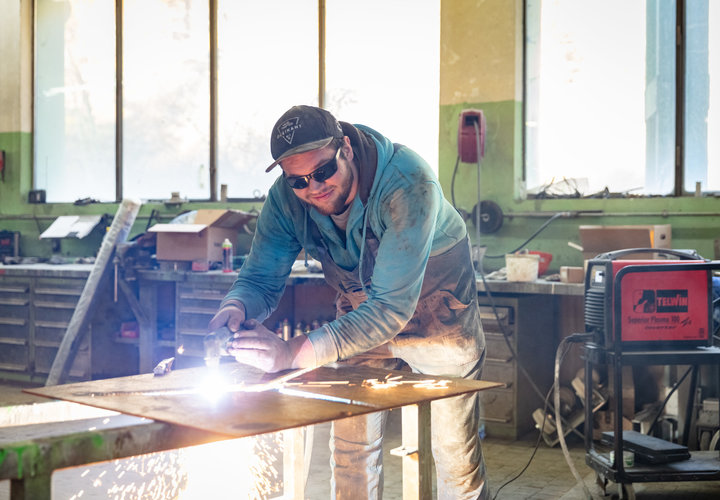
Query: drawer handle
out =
(499, 360)
(497, 420)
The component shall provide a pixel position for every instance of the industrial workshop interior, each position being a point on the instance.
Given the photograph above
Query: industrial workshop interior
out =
(505, 283)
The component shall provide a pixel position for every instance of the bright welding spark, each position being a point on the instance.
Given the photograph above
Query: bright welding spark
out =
(432, 384)
(391, 382)
(214, 386)
(181, 349)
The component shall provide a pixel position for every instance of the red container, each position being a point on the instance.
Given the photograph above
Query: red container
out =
(545, 259)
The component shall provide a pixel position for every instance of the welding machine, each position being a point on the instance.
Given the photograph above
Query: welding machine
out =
(649, 304)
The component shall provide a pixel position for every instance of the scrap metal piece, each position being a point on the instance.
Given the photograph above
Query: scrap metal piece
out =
(163, 367)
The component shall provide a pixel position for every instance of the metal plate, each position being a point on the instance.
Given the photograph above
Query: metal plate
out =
(254, 405)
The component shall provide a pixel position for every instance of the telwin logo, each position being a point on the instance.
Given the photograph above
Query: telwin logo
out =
(660, 301)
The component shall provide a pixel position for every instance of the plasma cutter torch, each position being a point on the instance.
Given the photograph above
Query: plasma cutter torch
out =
(216, 344)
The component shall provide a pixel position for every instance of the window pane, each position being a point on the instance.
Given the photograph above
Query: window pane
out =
(266, 63)
(702, 96)
(601, 95)
(166, 105)
(383, 70)
(75, 100)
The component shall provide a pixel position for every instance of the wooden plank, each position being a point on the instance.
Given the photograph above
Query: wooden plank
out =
(181, 398)
(417, 463)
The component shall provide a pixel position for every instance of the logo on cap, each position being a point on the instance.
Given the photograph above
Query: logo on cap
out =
(287, 129)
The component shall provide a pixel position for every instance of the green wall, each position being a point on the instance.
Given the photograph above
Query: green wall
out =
(481, 68)
(695, 220)
(32, 219)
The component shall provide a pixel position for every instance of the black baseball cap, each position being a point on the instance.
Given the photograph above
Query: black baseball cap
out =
(301, 129)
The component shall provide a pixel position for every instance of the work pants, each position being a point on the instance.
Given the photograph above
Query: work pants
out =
(356, 443)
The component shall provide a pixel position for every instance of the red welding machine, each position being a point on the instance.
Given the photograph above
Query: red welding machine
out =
(649, 304)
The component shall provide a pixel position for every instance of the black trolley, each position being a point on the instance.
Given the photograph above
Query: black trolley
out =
(606, 282)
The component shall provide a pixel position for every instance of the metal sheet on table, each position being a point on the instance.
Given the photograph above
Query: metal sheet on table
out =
(179, 398)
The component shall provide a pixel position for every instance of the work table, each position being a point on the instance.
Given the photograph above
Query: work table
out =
(163, 313)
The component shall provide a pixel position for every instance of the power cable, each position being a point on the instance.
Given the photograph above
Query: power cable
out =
(533, 236)
(452, 184)
(537, 442)
(667, 398)
(506, 338)
(556, 385)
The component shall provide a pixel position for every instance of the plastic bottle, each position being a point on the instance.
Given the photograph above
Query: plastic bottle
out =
(227, 254)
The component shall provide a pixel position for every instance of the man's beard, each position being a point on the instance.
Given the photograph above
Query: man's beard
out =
(340, 204)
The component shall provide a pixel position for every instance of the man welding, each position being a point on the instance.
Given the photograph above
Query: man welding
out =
(397, 252)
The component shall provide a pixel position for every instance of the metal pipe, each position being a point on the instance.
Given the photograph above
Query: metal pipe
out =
(53, 217)
(600, 213)
(213, 100)
(321, 53)
(119, 9)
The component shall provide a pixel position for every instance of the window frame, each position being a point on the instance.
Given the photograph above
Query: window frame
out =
(679, 167)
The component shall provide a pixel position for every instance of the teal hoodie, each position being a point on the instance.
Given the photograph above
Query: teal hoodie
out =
(408, 214)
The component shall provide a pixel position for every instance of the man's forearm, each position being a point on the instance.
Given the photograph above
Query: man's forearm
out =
(302, 352)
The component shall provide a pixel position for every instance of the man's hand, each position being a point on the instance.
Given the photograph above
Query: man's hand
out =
(257, 346)
(232, 315)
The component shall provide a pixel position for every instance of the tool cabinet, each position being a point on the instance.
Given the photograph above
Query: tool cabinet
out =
(35, 310)
(528, 321)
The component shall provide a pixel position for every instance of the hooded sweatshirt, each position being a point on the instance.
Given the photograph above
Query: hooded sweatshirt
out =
(400, 200)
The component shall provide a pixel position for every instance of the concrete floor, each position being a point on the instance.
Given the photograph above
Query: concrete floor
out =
(547, 477)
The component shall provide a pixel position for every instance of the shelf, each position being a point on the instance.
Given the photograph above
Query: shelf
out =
(701, 466)
(690, 356)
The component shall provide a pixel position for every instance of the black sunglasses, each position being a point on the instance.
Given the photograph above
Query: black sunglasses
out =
(320, 174)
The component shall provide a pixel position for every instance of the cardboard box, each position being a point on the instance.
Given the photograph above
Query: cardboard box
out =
(600, 239)
(202, 239)
(570, 274)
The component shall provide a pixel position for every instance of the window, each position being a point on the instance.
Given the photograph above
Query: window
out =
(606, 113)
(391, 80)
(267, 59)
(166, 75)
(264, 68)
(75, 99)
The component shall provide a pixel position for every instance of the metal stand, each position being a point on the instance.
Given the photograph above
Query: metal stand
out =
(702, 466)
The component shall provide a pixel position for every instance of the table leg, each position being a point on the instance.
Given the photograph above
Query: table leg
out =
(294, 463)
(415, 452)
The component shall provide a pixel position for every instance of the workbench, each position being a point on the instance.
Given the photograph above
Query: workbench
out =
(166, 412)
(532, 317)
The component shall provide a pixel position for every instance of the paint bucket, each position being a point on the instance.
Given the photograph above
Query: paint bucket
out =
(522, 267)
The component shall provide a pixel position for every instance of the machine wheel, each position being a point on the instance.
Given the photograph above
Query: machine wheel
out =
(627, 492)
(602, 482)
(491, 216)
(714, 441)
(705, 440)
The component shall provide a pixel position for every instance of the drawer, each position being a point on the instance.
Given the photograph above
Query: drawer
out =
(504, 321)
(13, 355)
(495, 371)
(14, 322)
(52, 333)
(14, 287)
(193, 321)
(45, 355)
(203, 298)
(497, 405)
(192, 343)
(496, 347)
